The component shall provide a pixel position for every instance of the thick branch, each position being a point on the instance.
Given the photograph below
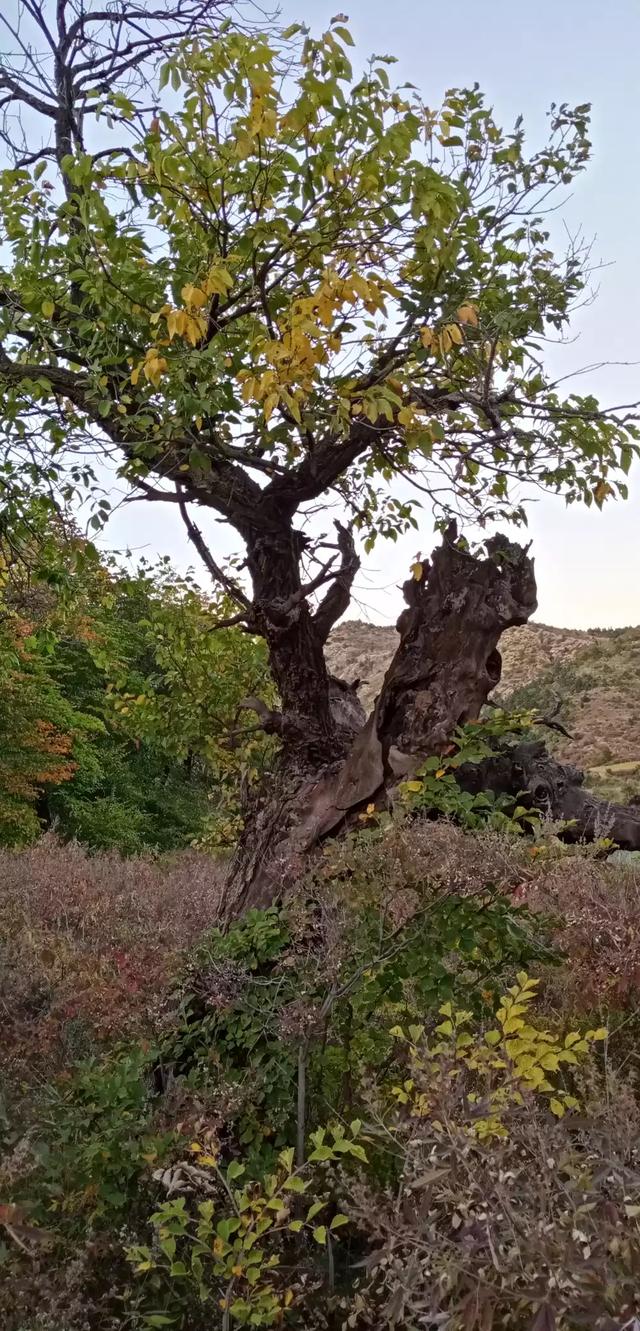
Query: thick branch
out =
(337, 599)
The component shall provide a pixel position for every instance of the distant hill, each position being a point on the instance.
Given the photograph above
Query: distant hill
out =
(595, 674)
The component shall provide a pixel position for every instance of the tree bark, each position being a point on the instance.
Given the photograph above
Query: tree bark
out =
(446, 664)
(528, 772)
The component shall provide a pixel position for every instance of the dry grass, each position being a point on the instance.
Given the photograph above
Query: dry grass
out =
(600, 933)
(89, 943)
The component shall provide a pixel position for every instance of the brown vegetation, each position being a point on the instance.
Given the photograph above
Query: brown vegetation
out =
(89, 944)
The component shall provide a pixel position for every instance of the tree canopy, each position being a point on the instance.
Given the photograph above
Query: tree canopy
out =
(254, 279)
(119, 707)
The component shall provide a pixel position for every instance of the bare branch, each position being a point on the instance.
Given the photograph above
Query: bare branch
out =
(232, 588)
(338, 597)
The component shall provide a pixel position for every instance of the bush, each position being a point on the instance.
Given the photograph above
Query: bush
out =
(341, 1114)
(89, 946)
(534, 1225)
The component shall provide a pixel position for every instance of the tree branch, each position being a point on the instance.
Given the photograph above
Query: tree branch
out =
(195, 536)
(338, 597)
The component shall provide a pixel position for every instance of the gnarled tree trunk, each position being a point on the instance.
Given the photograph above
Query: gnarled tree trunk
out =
(333, 762)
(446, 664)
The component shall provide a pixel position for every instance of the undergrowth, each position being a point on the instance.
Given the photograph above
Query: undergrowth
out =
(344, 1112)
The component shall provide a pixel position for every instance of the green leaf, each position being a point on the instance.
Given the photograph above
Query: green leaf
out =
(320, 1234)
(321, 1153)
(294, 1184)
(344, 35)
(339, 1220)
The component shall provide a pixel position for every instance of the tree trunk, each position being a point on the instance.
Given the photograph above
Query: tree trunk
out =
(529, 773)
(446, 664)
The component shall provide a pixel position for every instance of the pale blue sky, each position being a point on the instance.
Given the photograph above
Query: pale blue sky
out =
(524, 57)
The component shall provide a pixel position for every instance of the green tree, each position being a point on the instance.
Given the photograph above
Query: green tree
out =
(290, 284)
(120, 704)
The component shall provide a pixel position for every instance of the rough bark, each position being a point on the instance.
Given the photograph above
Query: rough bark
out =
(527, 771)
(446, 664)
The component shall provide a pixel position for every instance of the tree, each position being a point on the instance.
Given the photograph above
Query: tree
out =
(258, 283)
(119, 704)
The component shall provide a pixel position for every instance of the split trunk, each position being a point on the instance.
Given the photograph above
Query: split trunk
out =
(334, 762)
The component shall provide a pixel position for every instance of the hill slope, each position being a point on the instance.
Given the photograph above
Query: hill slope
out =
(596, 675)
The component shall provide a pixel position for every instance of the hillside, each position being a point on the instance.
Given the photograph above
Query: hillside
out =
(595, 673)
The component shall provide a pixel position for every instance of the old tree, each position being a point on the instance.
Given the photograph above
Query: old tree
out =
(257, 283)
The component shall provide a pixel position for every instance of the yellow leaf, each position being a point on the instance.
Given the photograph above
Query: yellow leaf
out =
(427, 337)
(176, 322)
(195, 328)
(455, 333)
(445, 1028)
(154, 368)
(413, 786)
(218, 282)
(556, 1108)
(270, 403)
(467, 314)
(196, 1148)
(361, 286)
(405, 416)
(512, 1024)
(47, 308)
(600, 1034)
(208, 1160)
(417, 570)
(440, 772)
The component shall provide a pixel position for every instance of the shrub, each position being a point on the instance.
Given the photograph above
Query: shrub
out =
(502, 1216)
(89, 946)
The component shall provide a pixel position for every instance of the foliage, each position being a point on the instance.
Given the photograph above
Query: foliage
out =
(37, 726)
(523, 1222)
(89, 945)
(347, 1112)
(254, 1000)
(100, 1141)
(346, 286)
(523, 1057)
(436, 790)
(122, 679)
(229, 1255)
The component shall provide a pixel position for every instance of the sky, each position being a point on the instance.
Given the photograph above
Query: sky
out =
(524, 58)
